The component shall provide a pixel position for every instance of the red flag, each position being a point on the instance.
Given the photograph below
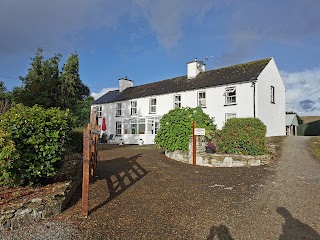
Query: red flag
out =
(104, 124)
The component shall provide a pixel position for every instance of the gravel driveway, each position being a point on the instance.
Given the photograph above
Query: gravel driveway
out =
(140, 194)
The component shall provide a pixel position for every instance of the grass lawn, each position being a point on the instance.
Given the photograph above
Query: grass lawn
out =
(315, 144)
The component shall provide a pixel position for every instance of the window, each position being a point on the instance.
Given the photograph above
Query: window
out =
(99, 111)
(118, 128)
(202, 99)
(272, 94)
(153, 105)
(126, 126)
(133, 125)
(230, 94)
(133, 107)
(230, 115)
(118, 109)
(142, 126)
(176, 101)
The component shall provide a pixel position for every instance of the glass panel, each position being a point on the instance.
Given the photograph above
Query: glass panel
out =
(126, 126)
(150, 126)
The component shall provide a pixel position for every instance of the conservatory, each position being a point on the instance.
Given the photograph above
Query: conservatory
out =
(140, 130)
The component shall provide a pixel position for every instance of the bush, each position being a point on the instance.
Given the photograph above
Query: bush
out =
(176, 127)
(75, 144)
(8, 156)
(242, 136)
(39, 136)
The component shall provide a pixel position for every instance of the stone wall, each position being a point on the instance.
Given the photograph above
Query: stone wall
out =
(16, 215)
(217, 160)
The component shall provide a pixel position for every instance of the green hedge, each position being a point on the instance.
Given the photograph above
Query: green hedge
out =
(40, 136)
(176, 127)
(8, 156)
(242, 136)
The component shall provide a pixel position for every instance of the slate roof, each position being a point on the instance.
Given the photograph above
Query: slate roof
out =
(291, 119)
(222, 76)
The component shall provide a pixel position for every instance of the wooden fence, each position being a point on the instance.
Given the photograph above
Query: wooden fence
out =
(90, 154)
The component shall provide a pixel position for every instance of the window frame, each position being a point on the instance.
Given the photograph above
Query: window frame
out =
(272, 94)
(134, 109)
(118, 110)
(176, 104)
(228, 97)
(202, 99)
(99, 111)
(153, 106)
(118, 130)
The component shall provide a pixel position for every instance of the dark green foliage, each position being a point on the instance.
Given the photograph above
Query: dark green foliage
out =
(71, 87)
(242, 136)
(81, 112)
(5, 98)
(75, 143)
(176, 127)
(8, 156)
(46, 86)
(41, 84)
(40, 137)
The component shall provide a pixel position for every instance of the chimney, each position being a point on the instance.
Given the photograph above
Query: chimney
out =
(195, 67)
(124, 83)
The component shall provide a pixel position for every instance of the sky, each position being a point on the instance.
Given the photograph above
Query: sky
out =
(152, 40)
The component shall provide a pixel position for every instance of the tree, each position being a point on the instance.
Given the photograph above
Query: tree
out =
(71, 87)
(5, 98)
(41, 84)
(81, 112)
(46, 86)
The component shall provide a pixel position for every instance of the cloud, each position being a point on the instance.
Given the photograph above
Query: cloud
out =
(102, 92)
(167, 17)
(255, 24)
(31, 24)
(302, 91)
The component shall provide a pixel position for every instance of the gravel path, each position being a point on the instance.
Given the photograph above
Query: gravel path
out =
(140, 194)
(288, 205)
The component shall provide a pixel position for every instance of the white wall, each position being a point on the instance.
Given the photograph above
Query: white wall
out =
(271, 114)
(215, 105)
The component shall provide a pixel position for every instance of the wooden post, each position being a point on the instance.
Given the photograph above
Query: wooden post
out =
(194, 144)
(85, 177)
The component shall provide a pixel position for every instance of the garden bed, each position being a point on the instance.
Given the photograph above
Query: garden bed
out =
(23, 205)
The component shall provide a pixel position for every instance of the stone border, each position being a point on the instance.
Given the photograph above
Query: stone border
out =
(27, 212)
(219, 160)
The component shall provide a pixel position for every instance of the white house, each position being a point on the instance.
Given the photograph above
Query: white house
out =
(253, 89)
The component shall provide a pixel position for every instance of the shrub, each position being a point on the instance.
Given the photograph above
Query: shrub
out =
(242, 136)
(75, 144)
(8, 156)
(176, 127)
(39, 136)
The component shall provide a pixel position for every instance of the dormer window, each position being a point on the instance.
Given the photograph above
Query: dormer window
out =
(202, 99)
(230, 95)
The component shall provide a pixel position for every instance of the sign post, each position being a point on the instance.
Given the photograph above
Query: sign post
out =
(194, 144)
(196, 132)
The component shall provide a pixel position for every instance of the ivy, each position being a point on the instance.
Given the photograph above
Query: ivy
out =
(176, 127)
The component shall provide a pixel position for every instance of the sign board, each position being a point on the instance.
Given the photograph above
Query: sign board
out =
(200, 131)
